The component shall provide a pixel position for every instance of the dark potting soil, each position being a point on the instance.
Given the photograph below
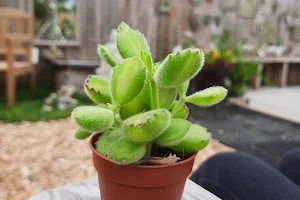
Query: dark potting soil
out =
(257, 134)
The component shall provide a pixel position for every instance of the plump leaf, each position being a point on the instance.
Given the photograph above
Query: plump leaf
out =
(107, 140)
(136, 106)
(166, 96)
(92, 118)
(179, 67)
(147, 126)
(174, 133)
(128, 80)
(182, 113)
(119, 149)
(131, 43)
(107, 55)
(146, 58)
(208, 97)
(196, 139)
(97, 89)
(82, 134)
(126, 152)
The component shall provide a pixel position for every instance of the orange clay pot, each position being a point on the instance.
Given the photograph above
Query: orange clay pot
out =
(140, 182)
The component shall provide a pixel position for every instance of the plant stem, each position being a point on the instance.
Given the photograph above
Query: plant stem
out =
(118, 120)
(177, 107)
(113, 107)
(148, 150)
(154, 95)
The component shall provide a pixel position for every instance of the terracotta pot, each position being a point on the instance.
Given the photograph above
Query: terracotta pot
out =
(139, 182)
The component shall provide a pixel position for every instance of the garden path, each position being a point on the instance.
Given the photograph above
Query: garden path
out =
(283, 102)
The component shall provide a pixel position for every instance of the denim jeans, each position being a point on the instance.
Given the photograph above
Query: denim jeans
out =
(239, 176)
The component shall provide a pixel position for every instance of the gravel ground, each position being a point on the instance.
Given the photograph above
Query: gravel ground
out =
(38, 156)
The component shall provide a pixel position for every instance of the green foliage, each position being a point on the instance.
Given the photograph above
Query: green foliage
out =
(196, 139)
(174, 133)
(107, 55)
(134, 107)
(208, 97)
(92, 118)
(130, 42)
(145, 108)
(82, 134)
(182, 111)
(30, 109)
(145, 127)
(114, 144)
(40, 10)
(179, 67)
(241, 74)
(108, 139)
(128, 80)
(166, 96)
(97, 89)
(126, 152)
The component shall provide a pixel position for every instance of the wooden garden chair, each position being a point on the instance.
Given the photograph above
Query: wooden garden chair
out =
(16, 40)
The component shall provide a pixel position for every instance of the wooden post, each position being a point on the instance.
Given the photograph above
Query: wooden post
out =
(257, 79)
(284, 74)
(10, 78)
(29, 55)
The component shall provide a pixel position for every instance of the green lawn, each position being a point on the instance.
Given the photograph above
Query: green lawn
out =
(29, 109)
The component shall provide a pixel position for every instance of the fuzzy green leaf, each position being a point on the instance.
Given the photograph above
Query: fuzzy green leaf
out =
(131, 43)
(107, 55)
(128, 80)
(179, 67)
(182, 113)
(146, 58)
(166, 96)
(196, 139)
(82, 134)
(174, 133)
(97, 89)
(208, 97)
(92, 118)
(107, 140)
(136, 106)
(147, 126)
(119, 149)
(126, 152)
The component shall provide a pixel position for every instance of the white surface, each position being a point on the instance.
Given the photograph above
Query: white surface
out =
(284, 102)
(89, 190)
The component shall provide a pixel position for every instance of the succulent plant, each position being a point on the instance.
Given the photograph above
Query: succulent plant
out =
(144, 103)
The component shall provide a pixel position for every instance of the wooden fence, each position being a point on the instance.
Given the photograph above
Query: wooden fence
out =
(97, 18)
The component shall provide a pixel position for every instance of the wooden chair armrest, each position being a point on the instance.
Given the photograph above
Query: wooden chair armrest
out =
(18, 38)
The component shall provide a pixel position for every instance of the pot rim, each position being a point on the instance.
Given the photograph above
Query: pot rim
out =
(191, 158)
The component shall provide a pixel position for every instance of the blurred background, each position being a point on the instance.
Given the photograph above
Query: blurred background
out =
(48, 48)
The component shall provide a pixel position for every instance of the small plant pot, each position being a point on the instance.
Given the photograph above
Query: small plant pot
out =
(140, 182)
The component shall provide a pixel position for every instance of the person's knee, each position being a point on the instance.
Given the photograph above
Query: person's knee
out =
(225, 165)
(290, 165)
(290, 158)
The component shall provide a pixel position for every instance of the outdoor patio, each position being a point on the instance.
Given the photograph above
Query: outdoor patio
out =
(280, 102)
(56, 55)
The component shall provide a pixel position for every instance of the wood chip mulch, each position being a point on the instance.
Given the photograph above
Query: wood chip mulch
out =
(35, 157)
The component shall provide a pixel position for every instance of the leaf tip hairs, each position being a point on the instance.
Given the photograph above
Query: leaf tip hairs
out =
(123, 27)
(179, 67)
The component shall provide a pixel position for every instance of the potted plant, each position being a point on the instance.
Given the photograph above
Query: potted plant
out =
(144, 147)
